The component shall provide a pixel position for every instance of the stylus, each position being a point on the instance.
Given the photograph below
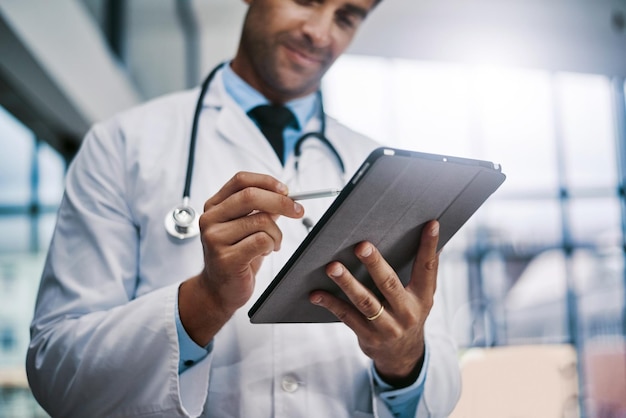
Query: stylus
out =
(316, 194)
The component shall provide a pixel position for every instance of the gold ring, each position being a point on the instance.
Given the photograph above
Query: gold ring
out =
(377, 314)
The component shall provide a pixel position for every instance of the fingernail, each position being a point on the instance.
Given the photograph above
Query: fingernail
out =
(435, 231)
(298, 208)
(367, 251)
(336, 271)
(282, 188)
(316, 300)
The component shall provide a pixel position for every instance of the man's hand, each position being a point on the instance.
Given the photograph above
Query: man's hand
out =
(238, 229)
(391, 332)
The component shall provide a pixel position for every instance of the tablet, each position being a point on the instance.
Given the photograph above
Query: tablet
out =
(387, 202)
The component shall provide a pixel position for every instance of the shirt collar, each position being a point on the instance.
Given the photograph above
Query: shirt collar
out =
(247, 98)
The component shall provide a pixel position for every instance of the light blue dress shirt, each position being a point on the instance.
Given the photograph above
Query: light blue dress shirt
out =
(402, 402)
(248, 98)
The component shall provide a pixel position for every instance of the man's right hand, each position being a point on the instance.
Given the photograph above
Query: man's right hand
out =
(238, 229)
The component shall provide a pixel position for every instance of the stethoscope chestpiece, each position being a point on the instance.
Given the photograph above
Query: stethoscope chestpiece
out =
(182, 221)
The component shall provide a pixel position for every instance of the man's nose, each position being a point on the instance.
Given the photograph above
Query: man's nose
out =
(318, 27)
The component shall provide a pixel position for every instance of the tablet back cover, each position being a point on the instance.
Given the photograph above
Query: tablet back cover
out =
(387, 202)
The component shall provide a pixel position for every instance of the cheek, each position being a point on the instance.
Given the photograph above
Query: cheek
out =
(341, 41)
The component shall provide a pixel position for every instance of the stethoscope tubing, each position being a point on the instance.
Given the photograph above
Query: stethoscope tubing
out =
(194, 129)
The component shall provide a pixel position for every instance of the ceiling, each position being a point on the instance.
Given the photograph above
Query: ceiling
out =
(68, 63)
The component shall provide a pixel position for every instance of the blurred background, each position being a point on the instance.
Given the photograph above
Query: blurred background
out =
(534, 284)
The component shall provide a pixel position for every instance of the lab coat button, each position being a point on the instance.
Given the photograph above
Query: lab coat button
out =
(289, 384)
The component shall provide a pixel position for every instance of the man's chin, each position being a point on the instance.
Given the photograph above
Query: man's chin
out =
(294, 85)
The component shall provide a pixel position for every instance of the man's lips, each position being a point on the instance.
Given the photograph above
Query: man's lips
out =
(305, 55)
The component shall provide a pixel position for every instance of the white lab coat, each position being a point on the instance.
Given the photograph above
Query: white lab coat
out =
(104, 339)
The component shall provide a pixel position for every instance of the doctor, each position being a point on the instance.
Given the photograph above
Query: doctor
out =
(131, 321)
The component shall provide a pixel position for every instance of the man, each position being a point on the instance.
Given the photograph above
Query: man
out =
(132, 322)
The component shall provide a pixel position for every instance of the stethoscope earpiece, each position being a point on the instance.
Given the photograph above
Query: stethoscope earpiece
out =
(182, 221)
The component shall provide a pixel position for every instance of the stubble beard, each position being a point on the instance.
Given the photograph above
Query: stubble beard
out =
(280, 78)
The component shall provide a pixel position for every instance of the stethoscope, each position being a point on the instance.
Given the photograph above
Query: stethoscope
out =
(182, 221)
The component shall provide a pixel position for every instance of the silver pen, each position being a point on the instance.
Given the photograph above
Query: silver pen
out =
(315, 194)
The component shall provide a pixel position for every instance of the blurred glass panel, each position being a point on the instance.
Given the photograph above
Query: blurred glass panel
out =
(536, 310)
(599, 277)
(18, 402)
(356, 92)
(454, 287)
(17, 145)
(588, 130)
(430, 108)
(524, 223)
(14, 233)
(515, 126)
(51, 175)
(495, 285)
(596, 221)
(19, 280)
(46, 229)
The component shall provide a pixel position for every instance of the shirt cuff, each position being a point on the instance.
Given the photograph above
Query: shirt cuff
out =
(403, 402)
(190, 353)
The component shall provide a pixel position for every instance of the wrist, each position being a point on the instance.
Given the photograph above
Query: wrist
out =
(200, 313)
(402, 378)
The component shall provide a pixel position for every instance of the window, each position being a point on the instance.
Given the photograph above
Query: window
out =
(31, 186)
(538, 261)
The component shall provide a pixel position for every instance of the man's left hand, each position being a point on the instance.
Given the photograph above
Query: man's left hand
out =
(390, 332)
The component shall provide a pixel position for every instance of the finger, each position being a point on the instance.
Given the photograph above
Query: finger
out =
(365, 302)
(243, 180)
(384, 276)
(255, 245)
(424, 272)
(252, 200)
(241, 254)
(229, 245)
(232, 232)
(344, 311)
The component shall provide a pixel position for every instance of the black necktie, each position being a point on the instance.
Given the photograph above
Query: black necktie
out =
(272, 120)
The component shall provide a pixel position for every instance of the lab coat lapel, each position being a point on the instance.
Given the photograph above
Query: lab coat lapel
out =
(236, 127)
